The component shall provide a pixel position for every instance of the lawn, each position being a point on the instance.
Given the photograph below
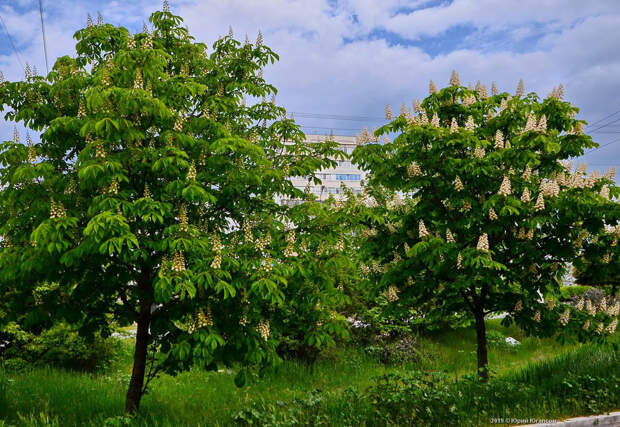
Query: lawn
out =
(42, 396)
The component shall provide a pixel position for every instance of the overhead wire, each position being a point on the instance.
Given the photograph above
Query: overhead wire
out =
(8, 35)
(47, 67)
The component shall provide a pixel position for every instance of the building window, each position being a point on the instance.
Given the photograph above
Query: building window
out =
(348, 177)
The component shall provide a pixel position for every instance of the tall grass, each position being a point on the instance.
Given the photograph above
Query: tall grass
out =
(44, 396)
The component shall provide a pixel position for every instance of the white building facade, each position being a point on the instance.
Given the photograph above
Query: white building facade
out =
(331, 179)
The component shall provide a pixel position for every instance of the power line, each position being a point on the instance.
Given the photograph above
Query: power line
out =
(6, 30)
(334, 117)
(603, 119)
(47, 67)
(601, 146)
(602, 126)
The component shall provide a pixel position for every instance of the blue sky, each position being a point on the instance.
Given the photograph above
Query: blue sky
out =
(352, 57)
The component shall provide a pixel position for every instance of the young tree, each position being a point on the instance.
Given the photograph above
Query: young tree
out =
(491, 214)
(319, 252)
(150, 198)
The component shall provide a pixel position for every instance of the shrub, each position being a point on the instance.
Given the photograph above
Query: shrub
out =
(59, 346)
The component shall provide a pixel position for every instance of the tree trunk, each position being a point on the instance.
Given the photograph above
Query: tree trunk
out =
(134, 394)
(483, 356)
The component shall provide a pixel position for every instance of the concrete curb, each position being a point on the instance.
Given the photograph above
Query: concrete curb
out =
(611, 419)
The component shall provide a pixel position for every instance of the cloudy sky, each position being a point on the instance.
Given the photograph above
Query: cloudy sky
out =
(342, 61)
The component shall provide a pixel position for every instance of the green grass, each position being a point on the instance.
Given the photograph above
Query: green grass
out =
(39, 396)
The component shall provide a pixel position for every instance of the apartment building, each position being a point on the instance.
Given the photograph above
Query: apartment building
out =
(331, 179)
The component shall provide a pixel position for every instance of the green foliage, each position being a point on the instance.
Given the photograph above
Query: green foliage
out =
(474, 209)
(133, 203)
(321, 273)
(567, 292)
(59, 345)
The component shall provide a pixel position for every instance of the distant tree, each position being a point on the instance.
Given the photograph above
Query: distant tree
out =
(151, 196)
(492, 211)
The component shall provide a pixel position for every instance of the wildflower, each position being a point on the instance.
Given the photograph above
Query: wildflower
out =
(449, 236)
(518, 306)
(113, 188)
(178, 125)
(205, 319)
(423, 119)
(459, 261)
(81, 113)
(470, 100)
(417, 106)
(492, 214)
(599, 328)
(166, 6)
(137, 84)
(550, 304)
(391, 294)
(183, 218)
(178, 262)
(536, 317)
(99, 19)
(340, 244)
(505, 188)
(611, 328)
(191, 173)
(525, 197)
(458, 184)
(483, 243)
(435, 120)
(469, 125)
(148, 41)
(499, 139)
(530, 124)
(520, 89)
(147, 192)
(605, 192)
(603, 305)
(466, 206)
(482, 92)
(89, 21)
(259, 39)
(454, 79)
(454, 127)
(32, 154)
(422, 229)
(263, 329)
(432, 88)
(565, 317)
(610, 173)
(290, 241)
(578, 130)
(414, 170)
(389, 115)
(542, 124)
(409, 281)
(479, 152)
(530, 234)
(494, 90)
(57, 210)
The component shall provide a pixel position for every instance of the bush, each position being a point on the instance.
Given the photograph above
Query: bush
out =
(568, 292)
(397, 351)
(59, 346)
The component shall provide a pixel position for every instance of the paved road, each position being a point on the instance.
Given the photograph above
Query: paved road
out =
(611, 419)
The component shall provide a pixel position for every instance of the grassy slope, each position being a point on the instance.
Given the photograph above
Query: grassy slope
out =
(208, 398)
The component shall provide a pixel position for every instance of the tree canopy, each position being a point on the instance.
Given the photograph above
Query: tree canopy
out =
(493, 210)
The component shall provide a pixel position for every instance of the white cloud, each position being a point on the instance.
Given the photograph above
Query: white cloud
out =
(320, 73)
